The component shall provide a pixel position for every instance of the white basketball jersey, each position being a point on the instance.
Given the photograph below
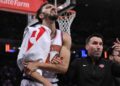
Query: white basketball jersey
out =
(56, 44)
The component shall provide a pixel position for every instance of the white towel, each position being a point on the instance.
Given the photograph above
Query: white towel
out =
(34, 45)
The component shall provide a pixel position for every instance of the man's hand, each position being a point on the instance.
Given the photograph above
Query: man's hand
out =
(47, 84)
(116, 51)
(57, 60)
(116, 46)
(31, 66)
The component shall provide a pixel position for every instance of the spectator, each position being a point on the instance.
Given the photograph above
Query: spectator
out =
(94, 70)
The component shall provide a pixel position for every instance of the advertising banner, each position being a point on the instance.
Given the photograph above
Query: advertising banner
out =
(21, 6)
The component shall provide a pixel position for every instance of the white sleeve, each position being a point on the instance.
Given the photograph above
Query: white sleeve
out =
(22, 49)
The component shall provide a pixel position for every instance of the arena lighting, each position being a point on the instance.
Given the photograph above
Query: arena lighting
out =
(105, 54)
(8, 48)
(83, 53)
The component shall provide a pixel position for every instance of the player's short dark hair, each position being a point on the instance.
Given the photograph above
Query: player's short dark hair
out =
(93, 35)
(40, 11)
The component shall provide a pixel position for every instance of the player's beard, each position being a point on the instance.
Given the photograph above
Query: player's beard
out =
(53, 17)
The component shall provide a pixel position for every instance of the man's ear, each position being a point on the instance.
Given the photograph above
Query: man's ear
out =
(41, 16)
(86, 46)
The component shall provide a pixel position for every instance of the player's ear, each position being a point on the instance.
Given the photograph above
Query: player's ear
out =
(41, 16)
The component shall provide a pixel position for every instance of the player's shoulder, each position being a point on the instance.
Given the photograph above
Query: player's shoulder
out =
(66, 40)
(36, 24)
(66, 36)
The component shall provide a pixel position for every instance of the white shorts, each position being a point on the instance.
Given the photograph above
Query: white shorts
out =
(26, 82)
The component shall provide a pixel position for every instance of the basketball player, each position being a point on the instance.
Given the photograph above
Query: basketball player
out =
(53, 46)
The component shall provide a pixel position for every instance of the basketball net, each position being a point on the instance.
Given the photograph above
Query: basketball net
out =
(65, 21)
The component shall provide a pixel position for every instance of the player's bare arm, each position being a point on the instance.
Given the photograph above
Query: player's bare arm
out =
(64, 54)
(37, 76)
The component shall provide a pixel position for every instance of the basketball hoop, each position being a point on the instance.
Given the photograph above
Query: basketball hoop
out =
(65, 20)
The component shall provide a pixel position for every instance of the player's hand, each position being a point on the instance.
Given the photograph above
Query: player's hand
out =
(31, 66)
(27, 71)
(47, 84)
(57, 60)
